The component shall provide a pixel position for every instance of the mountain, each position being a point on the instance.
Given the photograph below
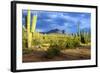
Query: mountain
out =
(53, 31)
(87, 30)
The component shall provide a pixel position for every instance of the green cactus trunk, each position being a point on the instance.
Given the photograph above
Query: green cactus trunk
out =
(29, 29)
(78, 27)
(34, 20)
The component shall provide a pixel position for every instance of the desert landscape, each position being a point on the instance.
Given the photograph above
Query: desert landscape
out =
(42, 43)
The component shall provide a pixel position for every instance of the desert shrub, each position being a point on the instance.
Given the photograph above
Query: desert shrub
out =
(24, 43)
(27, 51)
(61, 43)
(36, 42)
(53, 51)
(76, 41)
(72, 42)
(69, 43)
(84, 39)
(24, 39)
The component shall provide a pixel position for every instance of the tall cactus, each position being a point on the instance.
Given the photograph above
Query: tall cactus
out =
(34, 20)
(29, 37)
(29, 29)
(78, 28)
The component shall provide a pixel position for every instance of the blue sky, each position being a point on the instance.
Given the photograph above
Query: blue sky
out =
(47, 20)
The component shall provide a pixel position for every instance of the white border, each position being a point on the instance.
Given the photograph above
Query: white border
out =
(36, 65)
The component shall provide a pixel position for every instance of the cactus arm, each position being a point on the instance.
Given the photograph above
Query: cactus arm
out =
(28, 21)
(34, 20)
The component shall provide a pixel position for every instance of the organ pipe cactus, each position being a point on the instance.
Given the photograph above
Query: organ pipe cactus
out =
(78, 27)
(30, 30)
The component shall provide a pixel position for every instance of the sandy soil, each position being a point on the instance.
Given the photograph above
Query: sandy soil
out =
(80, 53)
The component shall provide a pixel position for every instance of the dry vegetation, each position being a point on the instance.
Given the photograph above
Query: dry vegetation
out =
(56, 47)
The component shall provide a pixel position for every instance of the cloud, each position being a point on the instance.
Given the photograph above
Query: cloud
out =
(85, 23)
(61, 20)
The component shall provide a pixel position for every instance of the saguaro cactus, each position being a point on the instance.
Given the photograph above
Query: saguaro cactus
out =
(34, 20)
(29, 29)
(29, 37)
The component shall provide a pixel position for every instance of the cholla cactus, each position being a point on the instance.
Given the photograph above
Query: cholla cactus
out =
(29, 29)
